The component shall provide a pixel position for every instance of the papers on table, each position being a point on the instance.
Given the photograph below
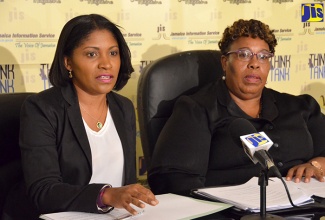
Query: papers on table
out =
(314, 187)
(116, 214)
(247, 196)
(171, 207)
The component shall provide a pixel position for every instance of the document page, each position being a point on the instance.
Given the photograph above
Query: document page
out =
(313, 188)
(115, 214)
(175, 207)
(171, 207)
(247, 196)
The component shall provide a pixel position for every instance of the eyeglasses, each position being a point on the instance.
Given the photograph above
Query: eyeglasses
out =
(247, 55)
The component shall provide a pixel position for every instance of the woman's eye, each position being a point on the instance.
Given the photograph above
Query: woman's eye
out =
(91, 54)
(114, 53)
(265, 56)
(244, 54)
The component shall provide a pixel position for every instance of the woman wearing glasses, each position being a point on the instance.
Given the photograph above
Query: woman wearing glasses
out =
(196, 149)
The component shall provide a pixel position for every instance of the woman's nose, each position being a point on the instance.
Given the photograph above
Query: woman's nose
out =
(105, 62)
(253, 63)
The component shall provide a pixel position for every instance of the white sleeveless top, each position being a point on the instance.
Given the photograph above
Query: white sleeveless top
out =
(106, 153)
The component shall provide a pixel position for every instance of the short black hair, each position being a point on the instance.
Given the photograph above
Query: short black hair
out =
(72, 35)
(247, 28)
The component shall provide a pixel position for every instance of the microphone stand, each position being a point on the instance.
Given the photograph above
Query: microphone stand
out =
(262, 182)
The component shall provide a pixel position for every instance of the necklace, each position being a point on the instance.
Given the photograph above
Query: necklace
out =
(99, 125)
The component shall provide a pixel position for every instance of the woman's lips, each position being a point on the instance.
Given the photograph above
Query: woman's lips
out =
(253, 78)
(105, 78)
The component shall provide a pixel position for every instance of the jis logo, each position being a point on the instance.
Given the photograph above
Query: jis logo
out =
(312, 12)
(256, 139)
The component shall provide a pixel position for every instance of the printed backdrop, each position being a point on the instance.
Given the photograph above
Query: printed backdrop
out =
(29, 31)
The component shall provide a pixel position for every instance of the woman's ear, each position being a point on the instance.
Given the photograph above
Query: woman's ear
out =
(224, 62)
(67, 63)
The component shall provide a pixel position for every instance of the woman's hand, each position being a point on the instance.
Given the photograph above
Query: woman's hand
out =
(122, 197)
(304, 170)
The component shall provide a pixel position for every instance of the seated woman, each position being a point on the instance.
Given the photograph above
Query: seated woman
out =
(195, 148)
(77, 138)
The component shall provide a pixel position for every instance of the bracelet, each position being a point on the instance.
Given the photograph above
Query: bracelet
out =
(314, 163)
(100, 205)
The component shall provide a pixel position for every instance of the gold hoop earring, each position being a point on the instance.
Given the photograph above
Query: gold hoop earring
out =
(70, 75)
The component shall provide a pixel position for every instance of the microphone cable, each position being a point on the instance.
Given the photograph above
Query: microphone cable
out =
(314, 205)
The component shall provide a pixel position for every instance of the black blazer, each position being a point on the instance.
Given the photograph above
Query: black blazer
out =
(56, 155)
(196, 149)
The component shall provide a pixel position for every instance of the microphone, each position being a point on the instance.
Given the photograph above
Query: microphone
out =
(255, 144)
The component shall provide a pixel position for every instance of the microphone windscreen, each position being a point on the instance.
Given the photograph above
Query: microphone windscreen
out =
(240, 127)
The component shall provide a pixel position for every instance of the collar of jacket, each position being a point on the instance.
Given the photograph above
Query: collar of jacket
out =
(269, 108)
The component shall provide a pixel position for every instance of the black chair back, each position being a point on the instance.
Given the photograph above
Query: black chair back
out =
(163, 81)
(10, 165)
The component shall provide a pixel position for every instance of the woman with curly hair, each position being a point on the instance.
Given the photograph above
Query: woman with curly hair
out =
(195, 148)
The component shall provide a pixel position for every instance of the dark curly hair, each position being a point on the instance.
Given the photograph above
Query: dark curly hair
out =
(73, 34)
(247, 28)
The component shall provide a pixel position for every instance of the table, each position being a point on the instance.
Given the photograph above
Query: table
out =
(294, 214)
